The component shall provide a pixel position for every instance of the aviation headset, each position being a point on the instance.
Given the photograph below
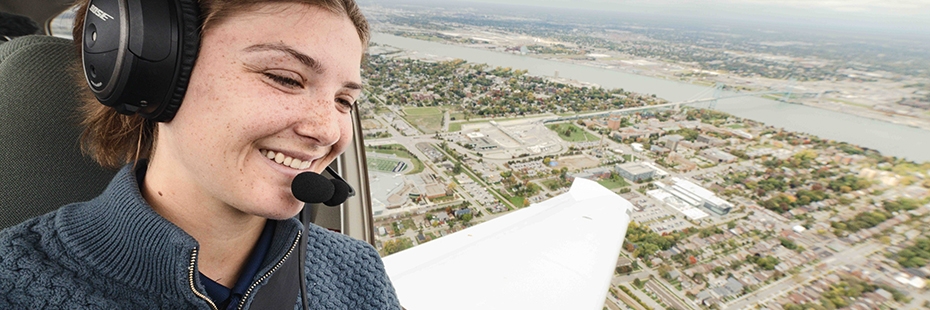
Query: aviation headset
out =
(138, 54)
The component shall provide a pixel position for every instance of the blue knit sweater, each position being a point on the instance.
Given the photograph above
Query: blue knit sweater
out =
(115, 252)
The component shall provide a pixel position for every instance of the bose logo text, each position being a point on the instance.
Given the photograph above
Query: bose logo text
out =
(100, 13)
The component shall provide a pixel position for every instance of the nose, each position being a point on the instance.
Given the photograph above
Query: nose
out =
(321, 123)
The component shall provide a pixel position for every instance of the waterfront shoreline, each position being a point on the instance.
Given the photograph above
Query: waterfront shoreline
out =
(891, 139)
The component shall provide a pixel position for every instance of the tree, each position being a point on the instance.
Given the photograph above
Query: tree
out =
(699, 277)
(397, 245)
(664, 270)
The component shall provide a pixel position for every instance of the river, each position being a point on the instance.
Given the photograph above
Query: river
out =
(888, 138)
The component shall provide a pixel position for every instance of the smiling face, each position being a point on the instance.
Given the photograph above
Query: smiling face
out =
(270, 97)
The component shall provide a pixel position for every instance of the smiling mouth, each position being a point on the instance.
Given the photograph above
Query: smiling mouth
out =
(285, 160)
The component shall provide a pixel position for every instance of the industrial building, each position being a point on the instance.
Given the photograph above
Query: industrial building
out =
(635, 171)
(696, 196)
(480, 142)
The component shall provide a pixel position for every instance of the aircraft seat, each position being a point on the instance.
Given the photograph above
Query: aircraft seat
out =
(41, 164)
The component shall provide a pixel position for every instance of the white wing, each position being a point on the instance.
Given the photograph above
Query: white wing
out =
(558, 254)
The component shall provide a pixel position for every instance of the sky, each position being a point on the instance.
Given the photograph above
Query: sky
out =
(910, 18)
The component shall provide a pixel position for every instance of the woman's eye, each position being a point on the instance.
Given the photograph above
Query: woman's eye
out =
(284, 81)
(348, 105)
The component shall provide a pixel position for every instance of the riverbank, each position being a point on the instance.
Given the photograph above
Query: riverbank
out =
(921, 121)
(888, 138)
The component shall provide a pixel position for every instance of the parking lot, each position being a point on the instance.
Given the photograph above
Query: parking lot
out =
(658, 217)
(480, 194)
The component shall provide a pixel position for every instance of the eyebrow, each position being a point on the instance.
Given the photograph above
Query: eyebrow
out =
(352, 86)
(303, 58)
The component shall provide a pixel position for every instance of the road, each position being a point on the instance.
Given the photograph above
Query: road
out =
(611, 303)
(666, 295)
(624, 299)
(918, 301)
(671, 297)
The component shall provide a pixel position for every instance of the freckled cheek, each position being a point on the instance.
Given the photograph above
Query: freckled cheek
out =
(342, 129)
(345, 135)
(346, 130)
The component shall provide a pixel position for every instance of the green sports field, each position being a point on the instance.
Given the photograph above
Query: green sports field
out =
(386, 165)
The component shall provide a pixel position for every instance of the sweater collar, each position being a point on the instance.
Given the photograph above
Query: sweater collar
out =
(119, 235)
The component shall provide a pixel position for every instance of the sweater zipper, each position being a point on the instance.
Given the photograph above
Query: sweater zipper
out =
(268, 274)
(190, 277)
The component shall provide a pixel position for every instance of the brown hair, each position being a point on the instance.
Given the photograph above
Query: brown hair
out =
(113, 139)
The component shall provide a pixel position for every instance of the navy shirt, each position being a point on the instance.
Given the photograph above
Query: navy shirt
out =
(226, 298)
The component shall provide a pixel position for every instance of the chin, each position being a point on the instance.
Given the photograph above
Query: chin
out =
(277, 209)
(290, 211)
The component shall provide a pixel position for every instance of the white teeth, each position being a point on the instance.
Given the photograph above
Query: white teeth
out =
(286, 160)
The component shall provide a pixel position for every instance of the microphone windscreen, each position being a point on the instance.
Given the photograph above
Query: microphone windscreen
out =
(340, 193)
(311, 187)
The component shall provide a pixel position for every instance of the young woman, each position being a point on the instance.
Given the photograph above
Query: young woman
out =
(201, 214)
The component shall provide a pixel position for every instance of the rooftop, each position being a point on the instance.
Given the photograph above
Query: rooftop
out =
(635, 168)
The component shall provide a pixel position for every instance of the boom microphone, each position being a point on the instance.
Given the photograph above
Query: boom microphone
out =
(340, 193)
(311, 187)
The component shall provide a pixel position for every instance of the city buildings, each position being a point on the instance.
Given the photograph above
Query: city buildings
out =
(635, 171)
(696, 196)
(718, 156)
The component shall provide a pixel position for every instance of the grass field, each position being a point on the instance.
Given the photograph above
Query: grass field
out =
(515, 200)
(455, 126)
(401, 151)
(613, 184)
(458, 116)
(578, 135)
(428, 119)
(385, 165)
(379, 109)
(552, 184)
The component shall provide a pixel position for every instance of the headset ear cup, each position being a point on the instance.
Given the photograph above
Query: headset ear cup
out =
(138, 55)
(189, 15)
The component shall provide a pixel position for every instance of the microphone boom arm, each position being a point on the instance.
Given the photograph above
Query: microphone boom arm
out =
(332, 172)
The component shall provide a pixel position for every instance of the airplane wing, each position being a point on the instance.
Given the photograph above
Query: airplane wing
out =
(558, 254)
